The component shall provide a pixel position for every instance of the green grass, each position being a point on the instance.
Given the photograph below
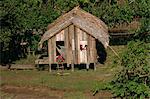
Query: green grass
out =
(79, 81)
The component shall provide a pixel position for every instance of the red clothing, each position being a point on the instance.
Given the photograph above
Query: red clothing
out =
(60, 59)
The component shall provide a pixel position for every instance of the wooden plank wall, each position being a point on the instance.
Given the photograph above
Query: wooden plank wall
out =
(77, 43)
(91, 49)
(60, 36)
(69, 31)
(72, 37)
(83, 42)
(52, 49)
(66, 33)
(49, 53)
(72, 47)
(81, 35)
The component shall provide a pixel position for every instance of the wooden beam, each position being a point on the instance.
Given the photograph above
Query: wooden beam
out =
(49, 54)
(84, 38)
(88, 49)
(93, 49)
(94, 52)
(54, 48)
(67, 46)
(72, 45)
(77, 49)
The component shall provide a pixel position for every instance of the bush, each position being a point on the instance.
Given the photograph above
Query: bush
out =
(133, 81)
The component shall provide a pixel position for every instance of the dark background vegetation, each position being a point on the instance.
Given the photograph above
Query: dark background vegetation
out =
(24, 21)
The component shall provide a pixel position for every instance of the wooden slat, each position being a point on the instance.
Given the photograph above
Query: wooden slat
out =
(66, 31)
(88, 49)
(94, 52)
(54, 48)
(83, 42)
(73, 41)
(71, 45)
(60, 36)
(84, 36)
(52, 51)
(94, 49)
(49, 54)
(76, 45)
(80, 39)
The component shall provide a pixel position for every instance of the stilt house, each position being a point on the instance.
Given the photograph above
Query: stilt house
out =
(72, 38)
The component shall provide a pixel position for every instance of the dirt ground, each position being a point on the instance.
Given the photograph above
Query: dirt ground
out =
(16, 92)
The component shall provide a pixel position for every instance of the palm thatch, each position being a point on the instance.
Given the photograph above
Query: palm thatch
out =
(82, 19)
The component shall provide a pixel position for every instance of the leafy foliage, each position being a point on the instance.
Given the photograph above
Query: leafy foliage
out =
(144, 32)
(5, 38)
(134, 78)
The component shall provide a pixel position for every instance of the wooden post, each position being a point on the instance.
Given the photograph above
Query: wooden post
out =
(88, 49)
(66, 46)
(49, 54)
(87, 66)
(72, 41)
(54, 49)
(72, 67)
(67, 65)
(94, 66)
(77, 44)
(94, 53)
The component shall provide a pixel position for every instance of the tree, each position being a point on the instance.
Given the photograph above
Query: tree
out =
(19, 18)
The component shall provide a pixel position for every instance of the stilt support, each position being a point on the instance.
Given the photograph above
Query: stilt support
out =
(94, 67)
(72, 67)
(87, 67)
(68, 66)
(50, 65)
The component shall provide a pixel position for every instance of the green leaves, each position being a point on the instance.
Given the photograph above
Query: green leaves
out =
(133, 79)
(5, 38)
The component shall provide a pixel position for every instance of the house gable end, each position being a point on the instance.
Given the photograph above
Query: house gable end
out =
(87, 22)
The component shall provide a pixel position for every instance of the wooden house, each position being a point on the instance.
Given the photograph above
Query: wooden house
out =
(72, 38)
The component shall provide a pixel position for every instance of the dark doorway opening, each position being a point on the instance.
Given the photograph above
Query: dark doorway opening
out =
(101, 52)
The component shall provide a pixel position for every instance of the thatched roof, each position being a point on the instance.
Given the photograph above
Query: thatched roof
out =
(82, 19)
(125, 27)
